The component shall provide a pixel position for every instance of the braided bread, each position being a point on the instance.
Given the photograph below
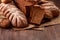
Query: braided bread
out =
(16, 17)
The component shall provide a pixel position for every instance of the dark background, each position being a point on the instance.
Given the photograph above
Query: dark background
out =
(57, 2)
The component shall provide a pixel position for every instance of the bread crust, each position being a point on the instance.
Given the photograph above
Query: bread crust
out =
(16, 17)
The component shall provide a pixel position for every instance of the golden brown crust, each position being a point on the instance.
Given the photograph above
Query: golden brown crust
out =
(16, 17)
(6, 1)
(51, 9)
(4, 22)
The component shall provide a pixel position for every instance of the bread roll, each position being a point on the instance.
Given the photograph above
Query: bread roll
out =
(5, 1)
(16, 17)
(4, 22)
(51, 9)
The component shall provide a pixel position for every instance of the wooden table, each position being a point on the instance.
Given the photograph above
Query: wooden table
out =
(50, 33)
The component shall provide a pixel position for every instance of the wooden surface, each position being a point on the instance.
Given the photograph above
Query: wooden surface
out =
(50, 33)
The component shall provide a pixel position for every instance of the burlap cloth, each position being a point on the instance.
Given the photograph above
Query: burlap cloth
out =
(53, 22)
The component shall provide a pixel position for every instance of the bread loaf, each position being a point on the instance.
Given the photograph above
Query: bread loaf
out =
(51, 9)
(23, 3)
(5, 1)
(16, 17)
(36, 15)
(47, 10)
(4, 22)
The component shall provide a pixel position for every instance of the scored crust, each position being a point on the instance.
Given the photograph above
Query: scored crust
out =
(16, 17)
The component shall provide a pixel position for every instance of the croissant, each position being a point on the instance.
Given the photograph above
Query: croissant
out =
(16, 17)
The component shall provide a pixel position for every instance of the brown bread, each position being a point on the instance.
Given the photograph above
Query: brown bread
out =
(5, 1)
(36, 15)
(51, 9)
(16, 17)
(23, 3)
(4, 22)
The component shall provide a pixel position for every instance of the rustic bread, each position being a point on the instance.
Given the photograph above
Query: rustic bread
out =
(43, 12)
(23, 3)
(4, 22)
(16, 17)
(5, 1)
(36, 15)
(51, 9)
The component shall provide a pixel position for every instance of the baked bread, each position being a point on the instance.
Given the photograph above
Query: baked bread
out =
(16, 17)
(6, 1)
(51, 9)
(4, 22)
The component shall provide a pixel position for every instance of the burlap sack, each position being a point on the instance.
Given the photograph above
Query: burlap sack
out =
(53, 22)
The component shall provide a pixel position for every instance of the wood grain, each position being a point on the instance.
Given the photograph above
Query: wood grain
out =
(50, 33)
